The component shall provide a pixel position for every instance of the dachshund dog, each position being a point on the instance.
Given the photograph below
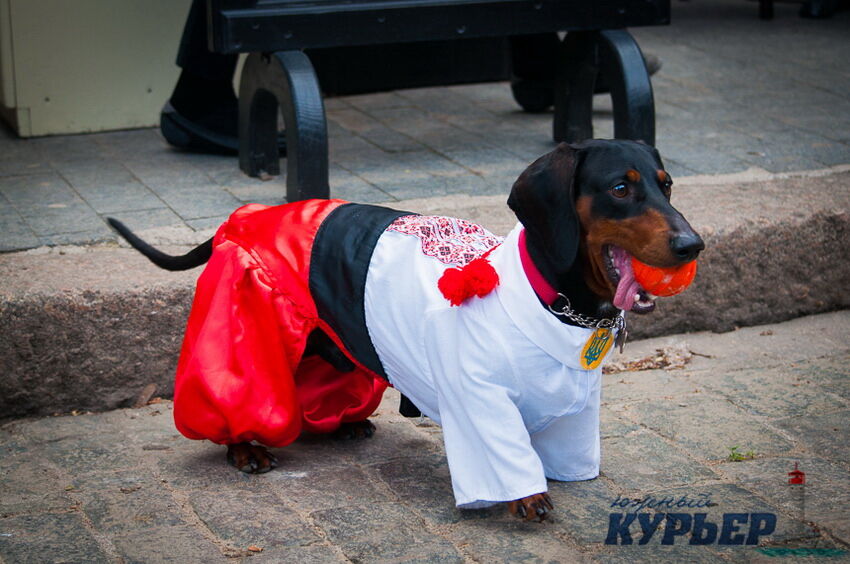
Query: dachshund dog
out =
(305, 313)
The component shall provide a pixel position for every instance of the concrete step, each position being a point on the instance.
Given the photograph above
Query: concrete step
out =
(94, 328)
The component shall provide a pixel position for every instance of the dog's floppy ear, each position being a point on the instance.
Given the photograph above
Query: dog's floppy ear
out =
(543, 199)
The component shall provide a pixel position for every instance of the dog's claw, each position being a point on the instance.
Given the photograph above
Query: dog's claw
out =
(537, 505)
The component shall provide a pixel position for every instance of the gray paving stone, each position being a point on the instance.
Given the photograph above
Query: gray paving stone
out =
(614, 426)
(315, 554)
(696, 156)
(508, 539)
(640, 385)
(86, 444)
(660, 463)
(116, 502)
(446, 139)
(168, 173)
(431, 186)
(827, 488)
(384, 532)
(636, 553)
(355, 121)
(344, 147)
(379, 100)
(31, 484)
(486, 161)
(194, 202)
(828, 372)
(264, 520)
(107, 186)
(332, 103)
(126, 143)
(61, 149)
(20, 157)
(395, 437)
(49, 537)
(581, 509)
(167, 544)
(91, 453)
(270, 193)
(140, 219)
(779, 392)
(423, 484)
(348, 186)
(50, 207)
(16, 233)
(27, 192)
(685, 419)
(342, 487)
(203, 223)
(11, 443)
(822, 434)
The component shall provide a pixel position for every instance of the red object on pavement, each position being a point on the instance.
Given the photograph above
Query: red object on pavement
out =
(797, 476)
(664, 281)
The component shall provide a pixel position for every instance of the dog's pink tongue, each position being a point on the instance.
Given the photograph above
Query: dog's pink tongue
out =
(627, 287)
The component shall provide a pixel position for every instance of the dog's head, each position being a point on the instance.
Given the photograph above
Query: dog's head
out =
(592, 206)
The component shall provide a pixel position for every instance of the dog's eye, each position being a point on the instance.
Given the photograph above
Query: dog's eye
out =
(666, 187)
(620, 190)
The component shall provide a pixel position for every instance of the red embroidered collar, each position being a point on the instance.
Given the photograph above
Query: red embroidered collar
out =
(541, 287)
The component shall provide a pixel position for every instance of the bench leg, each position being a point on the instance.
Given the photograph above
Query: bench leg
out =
(284, 80)
(616, 55)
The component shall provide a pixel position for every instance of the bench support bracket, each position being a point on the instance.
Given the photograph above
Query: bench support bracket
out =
(284, 80)
(616, 55)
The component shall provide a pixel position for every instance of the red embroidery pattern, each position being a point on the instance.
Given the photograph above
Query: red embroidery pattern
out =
(449, 240)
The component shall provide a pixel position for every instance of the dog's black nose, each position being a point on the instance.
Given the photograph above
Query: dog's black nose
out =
(686, 246)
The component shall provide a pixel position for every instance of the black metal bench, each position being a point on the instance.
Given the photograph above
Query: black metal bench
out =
(278, 73)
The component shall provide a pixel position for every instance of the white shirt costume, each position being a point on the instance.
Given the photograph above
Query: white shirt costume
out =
(499, 373)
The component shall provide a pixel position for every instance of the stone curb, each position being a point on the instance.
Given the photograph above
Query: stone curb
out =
(98, 328)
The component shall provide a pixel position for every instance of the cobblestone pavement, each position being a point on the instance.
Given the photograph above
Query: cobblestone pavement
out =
(735, 92)
(724, 422)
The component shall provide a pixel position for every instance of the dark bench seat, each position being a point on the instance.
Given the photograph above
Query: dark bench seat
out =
(278, 73)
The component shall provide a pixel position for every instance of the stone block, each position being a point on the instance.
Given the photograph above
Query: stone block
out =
(384, 532)
(252, 518)
(684, 420)
(822, 434)
(48, 537)
(659, 463)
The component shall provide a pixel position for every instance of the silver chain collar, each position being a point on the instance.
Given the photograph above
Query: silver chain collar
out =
(617, 323)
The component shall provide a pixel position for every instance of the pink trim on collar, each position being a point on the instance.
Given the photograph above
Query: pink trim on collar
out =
(539, 284)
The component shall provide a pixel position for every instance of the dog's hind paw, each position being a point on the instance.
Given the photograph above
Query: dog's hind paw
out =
(249, 458)
(355, 430)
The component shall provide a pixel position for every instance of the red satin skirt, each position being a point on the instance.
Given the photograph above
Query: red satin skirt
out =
(241, 374)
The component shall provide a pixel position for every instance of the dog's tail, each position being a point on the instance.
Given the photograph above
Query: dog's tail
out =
(196, 257)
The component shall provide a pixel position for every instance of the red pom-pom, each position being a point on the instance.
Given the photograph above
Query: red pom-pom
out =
(478, 278)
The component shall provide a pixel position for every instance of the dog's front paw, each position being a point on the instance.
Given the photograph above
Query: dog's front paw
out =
(355, 430)
(537, 505)
(253, 459)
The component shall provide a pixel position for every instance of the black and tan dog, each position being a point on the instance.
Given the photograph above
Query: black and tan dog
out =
(348, 293)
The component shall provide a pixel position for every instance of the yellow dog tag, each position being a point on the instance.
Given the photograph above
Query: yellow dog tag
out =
(596, 348)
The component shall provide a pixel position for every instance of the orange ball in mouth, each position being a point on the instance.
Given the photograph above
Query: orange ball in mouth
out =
(664, 281)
